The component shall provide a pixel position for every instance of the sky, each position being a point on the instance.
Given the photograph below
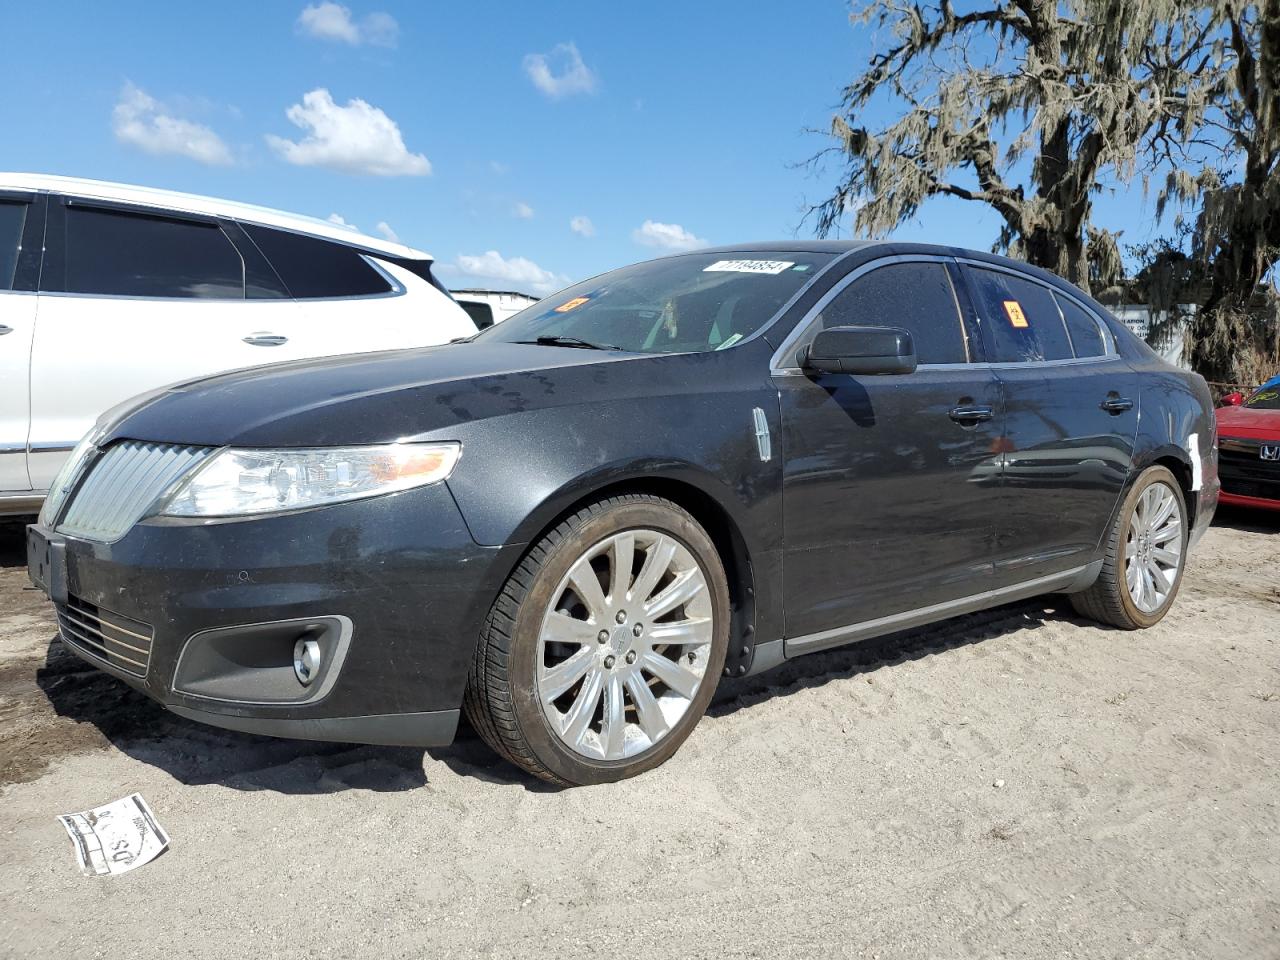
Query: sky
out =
(524, 145)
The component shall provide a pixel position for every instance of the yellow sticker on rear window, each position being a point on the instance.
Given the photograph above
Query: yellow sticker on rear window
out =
(1016, 317)
(572, 304)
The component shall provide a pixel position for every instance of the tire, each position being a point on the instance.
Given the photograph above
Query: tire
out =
(628, 646)
(1111, 599)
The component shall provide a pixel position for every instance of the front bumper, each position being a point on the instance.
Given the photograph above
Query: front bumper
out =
(221, 604)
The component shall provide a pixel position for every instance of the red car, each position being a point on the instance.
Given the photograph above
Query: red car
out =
(1249, 448)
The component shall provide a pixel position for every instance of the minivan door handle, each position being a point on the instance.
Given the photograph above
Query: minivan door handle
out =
(4, 329)
(969, 414)
(1116, 403)
(265, 340)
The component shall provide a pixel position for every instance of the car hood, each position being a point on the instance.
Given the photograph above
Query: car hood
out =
(370, 398)
(1249, 422)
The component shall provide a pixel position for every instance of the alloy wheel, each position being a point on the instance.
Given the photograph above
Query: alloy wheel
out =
(1153, 550)
(624, 644)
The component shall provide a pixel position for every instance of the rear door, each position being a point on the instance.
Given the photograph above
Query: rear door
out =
(353, 302)
(890, 486)
(131, 299)
(21, 237)
(1071, 416)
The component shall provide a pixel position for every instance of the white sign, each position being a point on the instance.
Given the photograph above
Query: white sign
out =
(749, 266)
(115, 838)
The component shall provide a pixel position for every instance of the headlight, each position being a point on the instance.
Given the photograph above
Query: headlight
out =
(234, 483)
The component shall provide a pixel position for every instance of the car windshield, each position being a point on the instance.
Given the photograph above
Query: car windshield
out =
(688, 304)
(1268, 398)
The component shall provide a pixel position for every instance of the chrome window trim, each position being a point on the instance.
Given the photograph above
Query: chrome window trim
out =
(1055, 292)
(778, 363)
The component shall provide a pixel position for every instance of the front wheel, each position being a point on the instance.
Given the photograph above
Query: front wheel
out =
(1145, 555)
(603, 649)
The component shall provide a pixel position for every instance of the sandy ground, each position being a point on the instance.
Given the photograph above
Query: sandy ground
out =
(1019, 783)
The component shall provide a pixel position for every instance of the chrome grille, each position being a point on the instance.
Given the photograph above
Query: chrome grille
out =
(122, 484)
(119, 641)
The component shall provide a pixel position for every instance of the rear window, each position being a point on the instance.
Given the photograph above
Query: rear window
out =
(1020, 319)
(1085, 332)
(120, 253)
(12, 218)
(693, 303)
(313, 269)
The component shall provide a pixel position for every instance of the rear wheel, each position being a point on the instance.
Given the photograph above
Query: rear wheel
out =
(1143, 564)
(604, 647)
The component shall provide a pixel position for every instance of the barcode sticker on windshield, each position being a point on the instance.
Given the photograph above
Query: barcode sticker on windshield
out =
(749, 266)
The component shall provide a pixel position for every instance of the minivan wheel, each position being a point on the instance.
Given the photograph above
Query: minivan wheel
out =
(603, 649)
(1145, 555)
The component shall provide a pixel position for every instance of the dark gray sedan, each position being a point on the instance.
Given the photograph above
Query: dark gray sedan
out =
(572, 525)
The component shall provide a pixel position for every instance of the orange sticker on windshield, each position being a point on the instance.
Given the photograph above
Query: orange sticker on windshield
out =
(1016, 317)
(572, 304)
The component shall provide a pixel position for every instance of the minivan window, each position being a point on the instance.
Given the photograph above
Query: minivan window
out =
(12, 218)
(917, 297)
(117, 253)
(1019, 318)
(314, 269)
(1086, 335)
(693, 303)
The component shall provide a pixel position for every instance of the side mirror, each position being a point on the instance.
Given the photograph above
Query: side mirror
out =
(865, 350)
(1233, 399)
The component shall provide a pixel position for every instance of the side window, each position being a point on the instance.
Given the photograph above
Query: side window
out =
(1086, 334)
(1020, 319)
(914, 296)
(313, 268)
(143, 255)
(13, 216)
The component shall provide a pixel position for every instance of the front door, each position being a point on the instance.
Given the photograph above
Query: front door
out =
(890, 483)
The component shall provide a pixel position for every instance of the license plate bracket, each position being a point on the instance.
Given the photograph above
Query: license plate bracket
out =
(47, 564)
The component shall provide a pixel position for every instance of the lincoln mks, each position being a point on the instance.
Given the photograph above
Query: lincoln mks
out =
(572, 525)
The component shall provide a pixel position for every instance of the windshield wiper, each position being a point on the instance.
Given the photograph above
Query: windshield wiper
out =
(549, 341)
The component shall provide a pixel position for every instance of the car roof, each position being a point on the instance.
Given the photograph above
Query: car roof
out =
(208, 206)
(888, 247)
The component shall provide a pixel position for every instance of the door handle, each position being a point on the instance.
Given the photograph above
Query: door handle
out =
(1116, 403)
(969, 414)
(265, 340)
(4, 329)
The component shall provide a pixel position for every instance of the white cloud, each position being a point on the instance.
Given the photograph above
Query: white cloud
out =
(582, 226)
(384, 228)
(667, 236)
(501, 169)
(561, 72)
(522, 211)
(341, 221)
(140, 121)
(333, 21)
(356, 138)
(517, 272)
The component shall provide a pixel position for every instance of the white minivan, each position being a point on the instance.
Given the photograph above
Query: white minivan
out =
(107, 291)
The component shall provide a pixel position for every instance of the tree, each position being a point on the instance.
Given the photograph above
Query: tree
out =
(1235, 335)
(1026, 106)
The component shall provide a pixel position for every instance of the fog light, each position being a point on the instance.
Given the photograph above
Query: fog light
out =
(306, 661)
